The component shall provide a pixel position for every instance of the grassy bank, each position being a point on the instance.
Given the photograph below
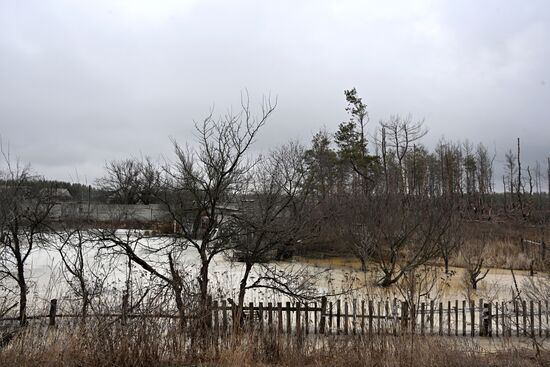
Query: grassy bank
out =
(150, 344)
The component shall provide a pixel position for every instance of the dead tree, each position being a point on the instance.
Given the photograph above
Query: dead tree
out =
(408, 237)
(84, 270)
(24, 211)
(400, 134)
(473, 254)
(207, 179)
(130, 181)
(160, 259)
(272, 221)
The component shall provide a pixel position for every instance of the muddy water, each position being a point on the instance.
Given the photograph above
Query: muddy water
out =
(497, 285)
(334, 276)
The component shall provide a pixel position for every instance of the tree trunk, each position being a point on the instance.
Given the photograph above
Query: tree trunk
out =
(242, 292)
(386, 280)
(22, 302)
(363, 264)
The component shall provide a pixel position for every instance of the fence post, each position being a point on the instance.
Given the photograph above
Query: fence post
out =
(279, 317)
(215, 335)
(532, 318)
(404, 315)
(124, 316)
(456, 317)
(209, 313)
(472, 318)
(261, 317)
(431, 317)
(338, 314)
(288, 320)
(363, 313)
(251, 316)
(464, 318)
(306, 317)
(449, 318)
(346, 312)
(53, 311)
(422, 317)
(371, 308)
(298, 319)
(481, 318)
(524, 307)
(224, 314)
(270, 317)
(440, 318)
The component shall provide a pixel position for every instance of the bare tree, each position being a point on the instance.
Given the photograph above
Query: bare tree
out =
(408, 237)
(356, 226)
(207, 178)
(400, 135)
(473, 254)
(159, 257)
(272, 221)
(24, 211)
(130, 181)
(452, 239)
(83, 267)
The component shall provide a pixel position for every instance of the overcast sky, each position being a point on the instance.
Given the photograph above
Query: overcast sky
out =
(84, 82)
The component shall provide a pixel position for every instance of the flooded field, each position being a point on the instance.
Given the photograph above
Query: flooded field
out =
(333, 276)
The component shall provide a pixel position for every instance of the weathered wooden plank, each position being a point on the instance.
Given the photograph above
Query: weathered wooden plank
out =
(386, 314)
(261, 317)
(306, 318)
(363, 317)
(464, 318)
(280, 317)
(323, 323)
(354, 320)
(431, 317)
(270, 317)
(330, 318)
(456, 317)
(315, 318)
(422, 310)
(547, 328)
(53, 311)
(371, 310)
(224, 315)
(346, 310)
(338, 315)
(288, 319)
(440, 318)
(394, 316)
(540, 317)
(516, 311)
(481, 326)
(524, 307)
(532, 317)
(472, 318)
(251, 316)
(379, 317)
(490, 319)
(496, 320)
(298, 318)
(216, 326)
(448, 318)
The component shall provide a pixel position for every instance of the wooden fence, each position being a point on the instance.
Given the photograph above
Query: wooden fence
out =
(526, 318)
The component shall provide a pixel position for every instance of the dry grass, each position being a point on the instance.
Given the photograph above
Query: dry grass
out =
(147, 344)
(502, 254)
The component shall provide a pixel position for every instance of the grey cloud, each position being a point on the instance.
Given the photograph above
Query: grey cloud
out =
(85, 82)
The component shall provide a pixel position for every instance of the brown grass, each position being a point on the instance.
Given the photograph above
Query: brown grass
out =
(148, 344)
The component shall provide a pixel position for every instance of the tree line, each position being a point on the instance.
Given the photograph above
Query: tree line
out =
(388, 199)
